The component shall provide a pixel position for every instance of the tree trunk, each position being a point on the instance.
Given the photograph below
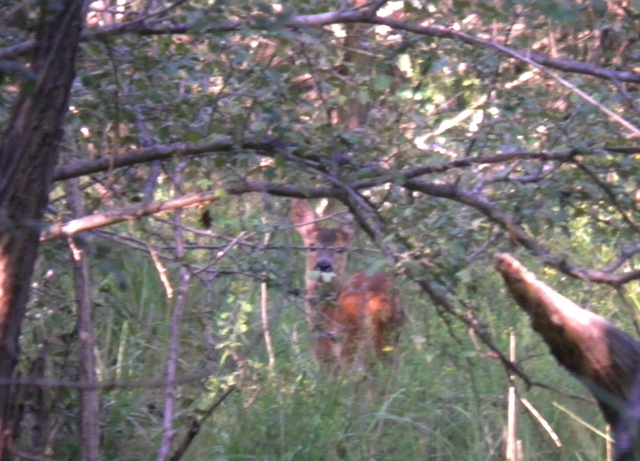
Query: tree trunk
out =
(605, 359)
(28, 155)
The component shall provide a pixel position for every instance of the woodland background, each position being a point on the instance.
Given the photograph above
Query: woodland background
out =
(165, 313)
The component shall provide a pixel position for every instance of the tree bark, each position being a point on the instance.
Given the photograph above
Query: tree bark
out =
(604, 358)
(28, 155)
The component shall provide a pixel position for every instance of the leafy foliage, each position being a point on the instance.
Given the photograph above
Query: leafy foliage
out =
(447, 130)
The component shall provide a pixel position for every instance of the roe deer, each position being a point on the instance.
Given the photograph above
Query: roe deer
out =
(349, 319)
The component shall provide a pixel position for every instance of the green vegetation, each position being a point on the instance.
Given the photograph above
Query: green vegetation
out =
(444, 131)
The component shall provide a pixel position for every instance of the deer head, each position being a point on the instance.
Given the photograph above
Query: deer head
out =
(326, 257)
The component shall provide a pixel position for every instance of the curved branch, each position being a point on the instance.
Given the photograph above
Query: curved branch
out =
(416, 171)
(613, 199)
(565, 65)
(163, 152)
(443, 303)
(263, 22)
(132, 213)
(271, 146)
(225, 144)
(518, 234)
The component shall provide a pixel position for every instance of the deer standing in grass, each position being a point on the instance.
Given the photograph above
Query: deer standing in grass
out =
(350, 318)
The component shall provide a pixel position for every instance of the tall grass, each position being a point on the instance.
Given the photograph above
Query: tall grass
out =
(444, 399)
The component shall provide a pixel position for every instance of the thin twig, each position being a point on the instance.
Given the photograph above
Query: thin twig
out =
(196, 425)
(543, 422)
(162, 271)
(264, 311)
(174, 334)
(90, 398)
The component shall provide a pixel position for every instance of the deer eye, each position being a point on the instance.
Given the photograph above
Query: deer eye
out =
(341, 250)
(312, 248)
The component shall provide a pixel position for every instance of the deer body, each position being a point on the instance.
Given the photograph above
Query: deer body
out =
(350, 318)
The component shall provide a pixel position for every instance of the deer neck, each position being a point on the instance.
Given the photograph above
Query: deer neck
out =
(322, 293)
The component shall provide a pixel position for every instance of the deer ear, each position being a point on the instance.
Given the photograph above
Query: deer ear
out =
(349, 228)
(302, 216)
(350, 233)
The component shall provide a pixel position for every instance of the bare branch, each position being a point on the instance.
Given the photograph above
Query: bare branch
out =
(126, 214)
(444, 306)
(564, 65)
(196, 425)
(271, 146)
(179, 149)
(516, 232)
(90, 398)
(133, 213)
(168, 431)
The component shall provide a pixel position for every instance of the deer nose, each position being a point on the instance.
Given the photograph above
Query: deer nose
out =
(324, 266)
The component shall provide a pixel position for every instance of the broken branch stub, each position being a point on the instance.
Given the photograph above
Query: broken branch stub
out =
(604, 358)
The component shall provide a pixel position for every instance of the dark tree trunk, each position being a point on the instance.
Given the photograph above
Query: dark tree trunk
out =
(605, 359)
(28, 155)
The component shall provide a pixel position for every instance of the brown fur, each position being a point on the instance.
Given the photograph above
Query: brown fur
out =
(350, 319)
